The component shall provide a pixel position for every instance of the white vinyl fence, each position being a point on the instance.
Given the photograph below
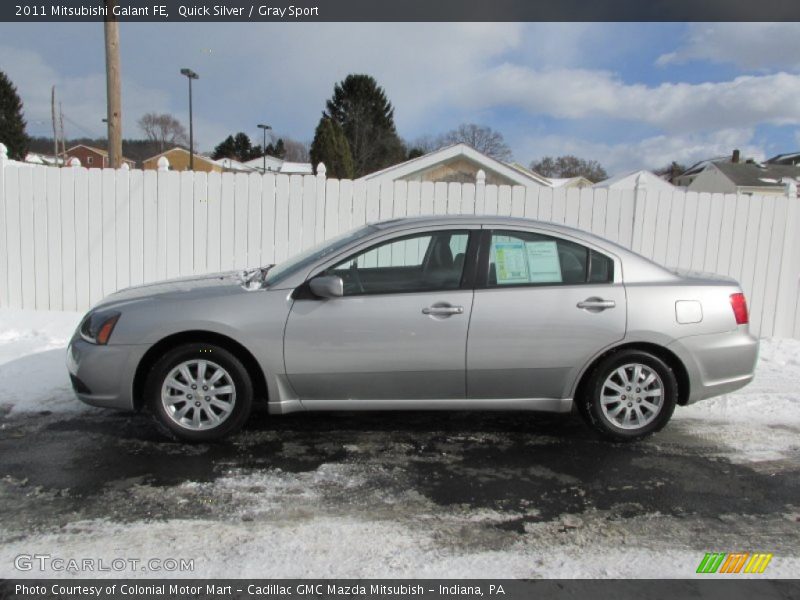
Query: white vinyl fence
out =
(69, 236)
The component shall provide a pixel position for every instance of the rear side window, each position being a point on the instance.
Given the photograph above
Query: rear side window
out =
(525, 258)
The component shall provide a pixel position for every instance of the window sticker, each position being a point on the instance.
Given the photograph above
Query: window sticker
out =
(543, 263)
(510, 261)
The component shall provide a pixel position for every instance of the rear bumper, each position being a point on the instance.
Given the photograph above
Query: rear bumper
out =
(103, 375)
(717, 363)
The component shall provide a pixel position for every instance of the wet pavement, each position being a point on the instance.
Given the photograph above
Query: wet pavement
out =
(522, 468)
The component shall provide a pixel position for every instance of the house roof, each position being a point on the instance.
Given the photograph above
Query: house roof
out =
(94, 149)
(628, 181)
(789, 158)
(515, 174)
(297, 168)
(751, 174)
(258, 163)
(235, 165)
(179, 149)
(702, 164)
(557, 182)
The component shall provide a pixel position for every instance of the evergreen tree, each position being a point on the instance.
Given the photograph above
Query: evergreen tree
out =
(280, 149)
(225, 149)
(243, 148)
(360, 107)
(12, 123)
(331, 148)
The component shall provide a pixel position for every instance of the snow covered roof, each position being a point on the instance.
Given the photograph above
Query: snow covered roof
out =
(628, 181)
(566, 182)
(520, 176)
(230, 164)
(273, 163)
(277, 165)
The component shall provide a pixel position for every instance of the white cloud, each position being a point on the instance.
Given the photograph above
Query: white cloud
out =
(752, 46)
(579, 93)
(82, 97)
(649, 153)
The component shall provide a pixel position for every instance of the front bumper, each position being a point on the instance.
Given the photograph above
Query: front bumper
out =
(103, 375)
(717, 363)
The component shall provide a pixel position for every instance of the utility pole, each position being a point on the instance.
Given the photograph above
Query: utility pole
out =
(53, 116)
(189, 74)
(264, 147)
(113, 87)
(63, 135)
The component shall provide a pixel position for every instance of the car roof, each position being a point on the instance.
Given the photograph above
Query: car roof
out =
(433, 220)
(639, 267)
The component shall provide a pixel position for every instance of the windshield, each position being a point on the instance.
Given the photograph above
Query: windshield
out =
(308, 257)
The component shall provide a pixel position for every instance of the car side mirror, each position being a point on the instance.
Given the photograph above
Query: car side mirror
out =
(327, 286)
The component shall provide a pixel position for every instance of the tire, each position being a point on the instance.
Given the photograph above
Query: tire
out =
(641, 413)
(221, 409)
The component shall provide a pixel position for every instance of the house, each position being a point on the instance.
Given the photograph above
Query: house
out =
(792, 158)
(272, 164)
(278, 165)
(179, 161)
(629, 181)
(745, 178)
(570, 182)
(458, 163)
(265, 164)
(93, 158)
(230, 164)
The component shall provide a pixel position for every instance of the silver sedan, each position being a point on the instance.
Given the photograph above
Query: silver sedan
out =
(429, 313)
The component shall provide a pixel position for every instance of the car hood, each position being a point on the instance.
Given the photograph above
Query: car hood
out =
(195, 285)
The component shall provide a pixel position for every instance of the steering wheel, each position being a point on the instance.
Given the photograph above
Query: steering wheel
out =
(355, 277)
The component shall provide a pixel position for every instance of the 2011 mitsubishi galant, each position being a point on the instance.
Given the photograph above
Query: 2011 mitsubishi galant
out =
(456, 312)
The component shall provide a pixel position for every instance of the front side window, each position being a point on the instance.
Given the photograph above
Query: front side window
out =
(423, 262)
(525, 258)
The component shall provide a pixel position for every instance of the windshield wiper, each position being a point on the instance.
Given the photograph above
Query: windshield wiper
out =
(253, 279)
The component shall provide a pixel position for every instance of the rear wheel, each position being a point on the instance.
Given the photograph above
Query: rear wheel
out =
(199, 392)
(629, 395)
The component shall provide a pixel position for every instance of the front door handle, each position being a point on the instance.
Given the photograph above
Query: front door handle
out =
(443, 310)
(596, 304)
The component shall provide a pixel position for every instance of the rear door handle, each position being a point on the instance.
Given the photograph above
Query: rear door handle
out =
(596, 304)
(443, 310)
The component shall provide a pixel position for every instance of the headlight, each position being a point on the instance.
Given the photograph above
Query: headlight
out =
(97, 327)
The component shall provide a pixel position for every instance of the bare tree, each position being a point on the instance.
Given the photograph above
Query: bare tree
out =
(482, 138)
(569, 166)
(296, 151)
(164, 130)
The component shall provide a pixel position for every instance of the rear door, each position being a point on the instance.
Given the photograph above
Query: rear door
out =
(543, 307)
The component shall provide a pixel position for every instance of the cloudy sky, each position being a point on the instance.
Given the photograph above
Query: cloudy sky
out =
(628, 95)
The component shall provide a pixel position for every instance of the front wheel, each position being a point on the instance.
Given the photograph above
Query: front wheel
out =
(629, 395)
(199, 393)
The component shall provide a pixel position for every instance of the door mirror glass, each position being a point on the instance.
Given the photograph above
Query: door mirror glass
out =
(327, 286)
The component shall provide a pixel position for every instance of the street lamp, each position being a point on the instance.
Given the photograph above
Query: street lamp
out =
(264, 147)
(190, 75)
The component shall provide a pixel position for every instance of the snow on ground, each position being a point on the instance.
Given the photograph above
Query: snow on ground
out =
(33, 375)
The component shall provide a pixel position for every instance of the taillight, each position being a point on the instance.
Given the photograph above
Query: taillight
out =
(739, 305)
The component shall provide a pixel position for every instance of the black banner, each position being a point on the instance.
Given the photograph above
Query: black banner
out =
(402, 10)
(395, 589)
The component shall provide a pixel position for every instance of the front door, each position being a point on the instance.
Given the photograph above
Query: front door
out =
(399, 332)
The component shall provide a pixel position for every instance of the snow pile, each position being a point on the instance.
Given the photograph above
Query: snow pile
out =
(33, 375)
